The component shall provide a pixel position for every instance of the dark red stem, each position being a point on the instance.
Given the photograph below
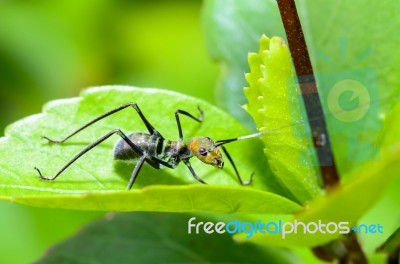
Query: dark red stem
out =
(309, 90)
(308, 87)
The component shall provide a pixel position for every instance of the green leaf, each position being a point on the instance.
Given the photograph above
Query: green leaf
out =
(390, 132)
(347, 203)
(157, 238)
(96, 182)
(274, 103)
(392, 244)
(233, 29)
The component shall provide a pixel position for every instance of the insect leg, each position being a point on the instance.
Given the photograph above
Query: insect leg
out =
(182, 112)
(160, 161)
(234, 167)
(187, 163)
(150, 128)
(94, 144)
(135, 172)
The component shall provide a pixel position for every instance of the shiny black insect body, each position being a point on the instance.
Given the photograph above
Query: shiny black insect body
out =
(155, 150)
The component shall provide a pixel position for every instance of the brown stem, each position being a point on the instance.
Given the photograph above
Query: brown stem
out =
(308, 87)
(350, 249)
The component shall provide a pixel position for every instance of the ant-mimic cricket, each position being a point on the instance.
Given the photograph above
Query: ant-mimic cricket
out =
(157, 151)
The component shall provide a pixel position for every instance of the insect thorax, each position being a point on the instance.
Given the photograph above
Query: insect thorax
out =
(176, 151)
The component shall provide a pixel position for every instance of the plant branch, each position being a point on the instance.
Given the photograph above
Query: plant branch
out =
(308, 87)
(351, 252)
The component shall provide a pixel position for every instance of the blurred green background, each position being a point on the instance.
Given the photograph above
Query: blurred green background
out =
(54, 49)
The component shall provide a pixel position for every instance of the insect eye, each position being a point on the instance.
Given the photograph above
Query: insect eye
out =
(203, 151)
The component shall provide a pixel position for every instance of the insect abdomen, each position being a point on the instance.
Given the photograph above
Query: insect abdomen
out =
(122, 151)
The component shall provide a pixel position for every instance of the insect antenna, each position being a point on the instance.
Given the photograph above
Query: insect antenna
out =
(225, 141)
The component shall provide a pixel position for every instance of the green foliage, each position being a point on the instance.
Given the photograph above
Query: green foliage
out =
(365, 155)
(392, 244)
(347, 40)
(347, 203)
(232, 29)
(157, 238)
(53, 50)
(275, 107)
(96, 182)
(272, 106)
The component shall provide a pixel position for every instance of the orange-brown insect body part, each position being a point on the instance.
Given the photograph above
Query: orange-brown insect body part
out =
(206, 151)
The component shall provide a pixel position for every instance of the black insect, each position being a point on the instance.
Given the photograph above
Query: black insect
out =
(157, 151)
